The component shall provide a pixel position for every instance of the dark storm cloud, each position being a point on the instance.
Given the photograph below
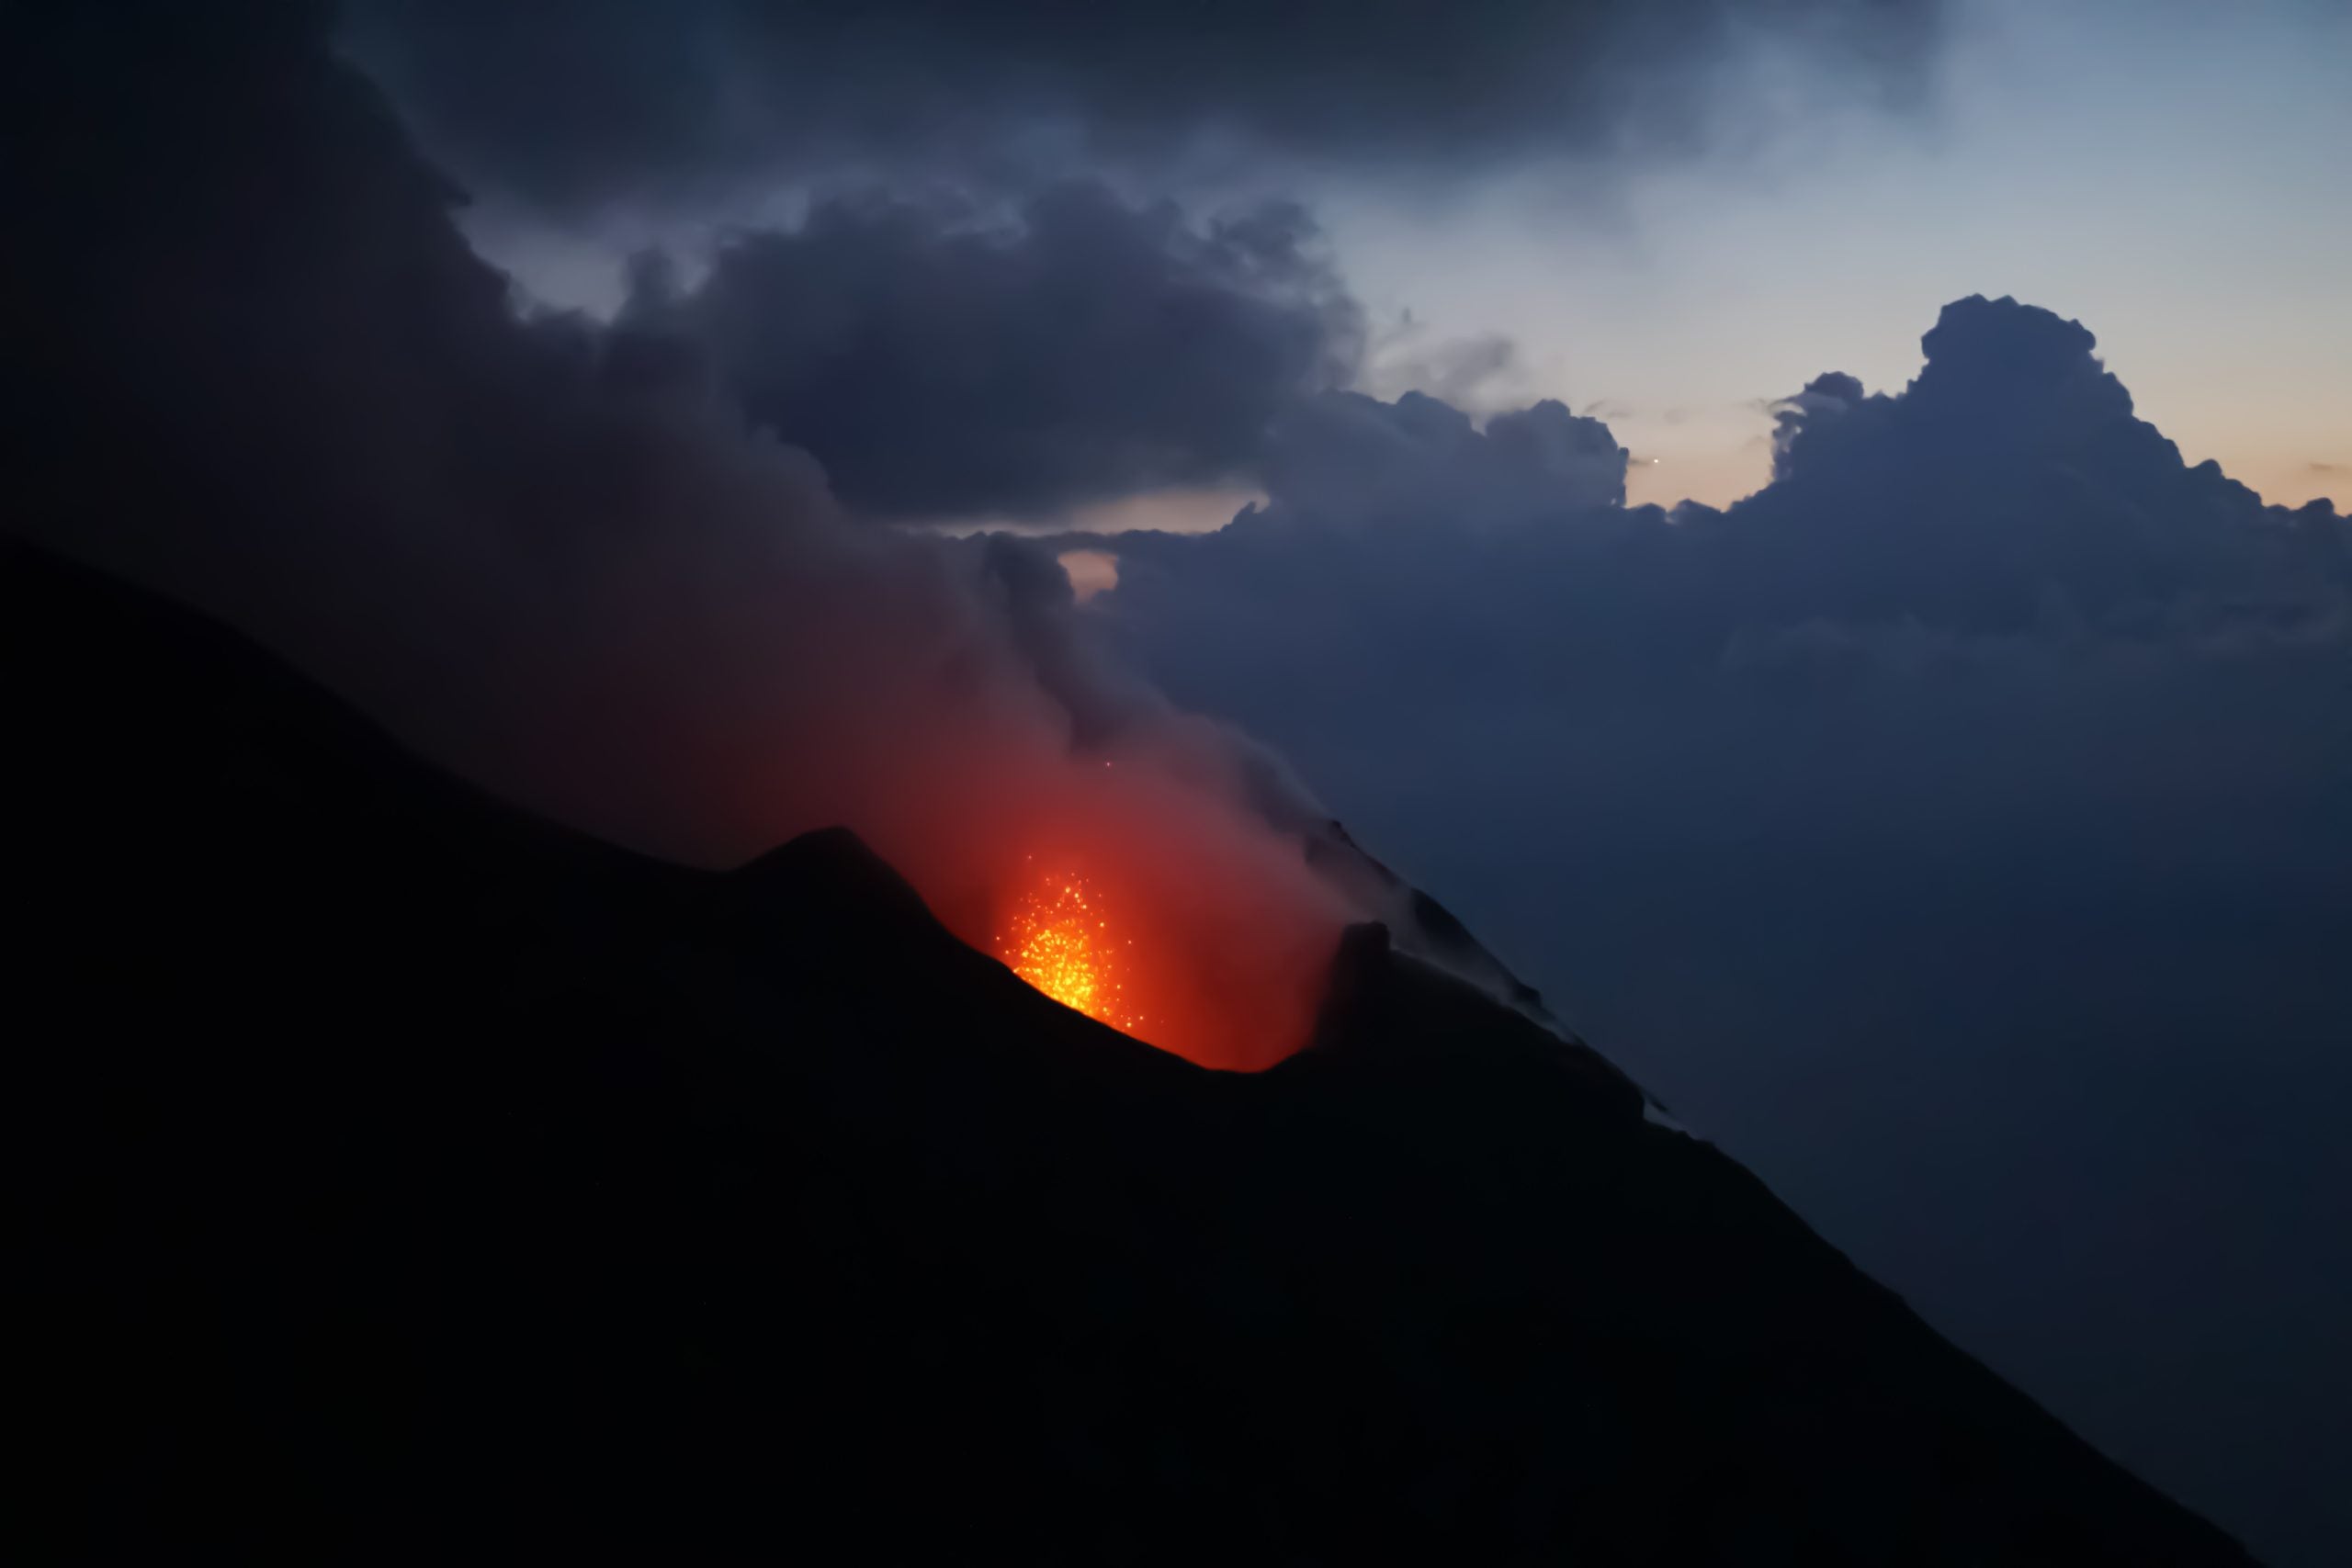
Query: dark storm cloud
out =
(942, 360)
(575, 106)
(1957, 830)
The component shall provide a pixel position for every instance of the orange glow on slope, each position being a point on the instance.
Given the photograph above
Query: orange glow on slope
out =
(1059, 941)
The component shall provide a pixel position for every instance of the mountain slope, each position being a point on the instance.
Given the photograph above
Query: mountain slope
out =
(405, 1173)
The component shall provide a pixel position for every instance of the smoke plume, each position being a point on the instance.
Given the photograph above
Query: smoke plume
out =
(631, 102)
(261, 369)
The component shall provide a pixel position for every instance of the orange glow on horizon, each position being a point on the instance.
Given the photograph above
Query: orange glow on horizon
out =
(1059, 940)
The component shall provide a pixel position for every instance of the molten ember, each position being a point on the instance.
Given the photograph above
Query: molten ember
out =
(1060, 941)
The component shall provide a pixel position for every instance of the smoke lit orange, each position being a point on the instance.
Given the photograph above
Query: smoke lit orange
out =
(1060, 941)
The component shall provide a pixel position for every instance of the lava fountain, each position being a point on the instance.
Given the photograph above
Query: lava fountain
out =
(1059, 940)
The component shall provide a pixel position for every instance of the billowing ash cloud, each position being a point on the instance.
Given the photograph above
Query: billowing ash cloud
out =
(254, 363)
(957, 360)
(661, 100)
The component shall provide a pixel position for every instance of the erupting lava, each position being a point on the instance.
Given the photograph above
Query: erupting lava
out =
(1059, 942)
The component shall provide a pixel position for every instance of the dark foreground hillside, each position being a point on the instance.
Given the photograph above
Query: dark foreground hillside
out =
(408, 1180)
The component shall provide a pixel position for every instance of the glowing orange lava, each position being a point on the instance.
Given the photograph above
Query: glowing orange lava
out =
(1059, 941)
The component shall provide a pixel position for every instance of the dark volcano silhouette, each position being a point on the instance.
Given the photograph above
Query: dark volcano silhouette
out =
(408, 1179)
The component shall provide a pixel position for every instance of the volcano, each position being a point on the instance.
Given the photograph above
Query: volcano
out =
(408, 1177)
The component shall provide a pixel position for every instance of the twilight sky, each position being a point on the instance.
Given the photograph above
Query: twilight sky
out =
(2159, 169)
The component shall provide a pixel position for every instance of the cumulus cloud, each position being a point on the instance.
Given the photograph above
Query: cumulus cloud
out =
(2008, 501)
(1347, 461)
(2010, 490)
(630, 99)
(2011, 482)
(1831, 393)
(955, 359)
